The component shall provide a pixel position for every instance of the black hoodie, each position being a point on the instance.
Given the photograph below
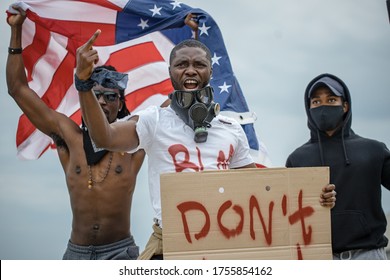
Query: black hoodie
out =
(358, 168)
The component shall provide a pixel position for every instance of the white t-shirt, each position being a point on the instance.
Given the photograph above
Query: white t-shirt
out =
(170, 146)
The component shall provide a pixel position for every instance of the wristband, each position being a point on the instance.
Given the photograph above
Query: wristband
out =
(15, 50)
(81, 85)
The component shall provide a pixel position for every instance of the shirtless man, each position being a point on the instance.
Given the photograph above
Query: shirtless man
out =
(100, 184)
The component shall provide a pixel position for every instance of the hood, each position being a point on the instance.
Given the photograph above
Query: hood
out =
(315, 134)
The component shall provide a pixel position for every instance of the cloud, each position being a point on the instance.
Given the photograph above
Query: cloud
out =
(276, 48)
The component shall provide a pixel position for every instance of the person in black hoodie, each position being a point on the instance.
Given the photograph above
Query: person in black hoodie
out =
(358, 168)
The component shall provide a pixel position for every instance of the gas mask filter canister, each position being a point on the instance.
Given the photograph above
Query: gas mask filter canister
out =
(197, 109)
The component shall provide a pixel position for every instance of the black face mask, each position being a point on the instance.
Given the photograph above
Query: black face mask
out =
(327, 118)
(196, 108)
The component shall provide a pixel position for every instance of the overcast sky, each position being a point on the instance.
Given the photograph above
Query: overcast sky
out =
(276, 47)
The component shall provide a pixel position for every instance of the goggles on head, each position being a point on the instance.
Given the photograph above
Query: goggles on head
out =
(185, 98)
(108, 96)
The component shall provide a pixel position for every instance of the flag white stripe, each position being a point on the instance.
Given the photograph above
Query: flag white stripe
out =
(153, 100)
(54, 9)
(28, 32)
(33, 146)
(48, 64)
(163, 45)
(147, 75)
(70, 103)
(119, 3)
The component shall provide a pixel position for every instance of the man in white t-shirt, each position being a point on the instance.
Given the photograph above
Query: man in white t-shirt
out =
(187, 136)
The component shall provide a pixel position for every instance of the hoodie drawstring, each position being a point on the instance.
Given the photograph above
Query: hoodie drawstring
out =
(347, 162)
(320, 146)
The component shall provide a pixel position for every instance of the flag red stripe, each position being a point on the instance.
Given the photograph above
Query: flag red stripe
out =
(82, 31)
(137, 55)
(77, 31)
(137, 97)
(76, 117)
(62, 80)
(25, 128)
(36, 49)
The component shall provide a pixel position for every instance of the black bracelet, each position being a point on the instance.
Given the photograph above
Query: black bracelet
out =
(81, 85)
(15, 50)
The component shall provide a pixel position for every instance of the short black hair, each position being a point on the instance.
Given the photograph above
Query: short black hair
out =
(192, 43)
(124, 111)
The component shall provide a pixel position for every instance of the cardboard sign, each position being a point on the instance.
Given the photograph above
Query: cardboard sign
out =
(271, 213)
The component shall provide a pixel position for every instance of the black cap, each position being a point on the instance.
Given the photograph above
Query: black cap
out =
(332, 84)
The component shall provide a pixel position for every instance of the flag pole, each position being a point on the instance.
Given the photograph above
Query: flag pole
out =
(388, 8)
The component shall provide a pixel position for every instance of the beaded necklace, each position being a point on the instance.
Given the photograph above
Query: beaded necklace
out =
(91, 181)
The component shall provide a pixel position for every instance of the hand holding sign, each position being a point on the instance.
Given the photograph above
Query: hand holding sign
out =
(328, 196)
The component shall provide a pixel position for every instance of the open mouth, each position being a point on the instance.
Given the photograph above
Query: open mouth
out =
(191, 84)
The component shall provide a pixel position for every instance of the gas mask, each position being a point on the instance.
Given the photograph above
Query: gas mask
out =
(197, 109)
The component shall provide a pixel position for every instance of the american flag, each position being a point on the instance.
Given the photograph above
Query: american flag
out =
(137, 37)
